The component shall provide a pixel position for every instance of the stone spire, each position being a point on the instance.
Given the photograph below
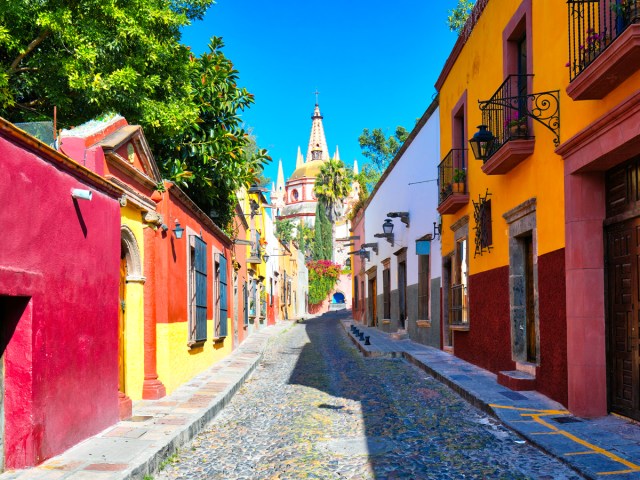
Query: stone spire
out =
(299, 159)
(355, 166)
(280, 180)
(318, 149)
(337, 155)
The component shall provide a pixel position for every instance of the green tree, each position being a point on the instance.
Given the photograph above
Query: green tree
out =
(92, 57)
(379, 149)
(458, 15)
(333, 185)
(323, 235)
(284, 230)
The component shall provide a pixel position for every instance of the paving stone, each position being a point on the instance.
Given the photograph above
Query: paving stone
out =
(315, 408)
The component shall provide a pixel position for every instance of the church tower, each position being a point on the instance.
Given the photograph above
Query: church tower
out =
(298, 198)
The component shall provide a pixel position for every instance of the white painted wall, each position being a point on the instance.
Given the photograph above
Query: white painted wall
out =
(418, 163)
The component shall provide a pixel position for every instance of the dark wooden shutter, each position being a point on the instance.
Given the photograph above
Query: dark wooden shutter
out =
(201, 289)
(223, 313)
(245, 298)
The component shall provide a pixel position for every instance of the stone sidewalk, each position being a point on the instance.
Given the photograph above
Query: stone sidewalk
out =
(607, 447)
(137, 447)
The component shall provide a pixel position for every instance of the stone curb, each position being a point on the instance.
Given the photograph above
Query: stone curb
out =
(152, 464)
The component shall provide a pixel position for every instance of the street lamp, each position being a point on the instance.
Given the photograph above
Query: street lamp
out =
(482, 143)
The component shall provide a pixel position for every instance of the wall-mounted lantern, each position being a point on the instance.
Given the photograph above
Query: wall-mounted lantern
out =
(482, 143)
(178, 230)
(387, 228)
(437, 230)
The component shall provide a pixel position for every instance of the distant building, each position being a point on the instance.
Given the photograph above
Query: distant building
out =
(295, 199)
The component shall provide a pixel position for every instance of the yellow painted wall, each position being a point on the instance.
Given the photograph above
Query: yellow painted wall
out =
(131, 216)
(177, 363)
(479, 71)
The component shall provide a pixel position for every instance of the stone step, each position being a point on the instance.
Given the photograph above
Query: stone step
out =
(517, 380)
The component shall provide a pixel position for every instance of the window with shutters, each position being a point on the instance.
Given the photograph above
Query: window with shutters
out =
(197, 289)
(222, 313)
(245, 304)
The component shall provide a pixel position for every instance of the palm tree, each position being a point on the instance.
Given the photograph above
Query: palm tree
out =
(333, 185)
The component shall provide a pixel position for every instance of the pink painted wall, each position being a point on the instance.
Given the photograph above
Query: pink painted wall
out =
(62, 257)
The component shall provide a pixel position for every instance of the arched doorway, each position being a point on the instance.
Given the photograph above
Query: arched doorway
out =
(130, 275)
(338, 297)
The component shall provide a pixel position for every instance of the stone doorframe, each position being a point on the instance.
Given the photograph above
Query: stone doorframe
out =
(372, 273)
(522, 221)
(460, 229)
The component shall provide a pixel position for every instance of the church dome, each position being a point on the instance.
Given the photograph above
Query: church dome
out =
(307, 170)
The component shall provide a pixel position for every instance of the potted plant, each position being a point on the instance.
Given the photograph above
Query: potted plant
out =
(459, 177)
(516, 125)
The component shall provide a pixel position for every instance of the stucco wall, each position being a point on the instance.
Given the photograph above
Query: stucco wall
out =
(395, 194)
(64, 257)
(176, 361)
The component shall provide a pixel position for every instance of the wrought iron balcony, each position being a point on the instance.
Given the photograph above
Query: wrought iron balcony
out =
(452, 174)
(593, 25)
(510, 112)
(452, 182)
(603, 35)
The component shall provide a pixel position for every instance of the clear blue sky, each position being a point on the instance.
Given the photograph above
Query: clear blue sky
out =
(374, 63)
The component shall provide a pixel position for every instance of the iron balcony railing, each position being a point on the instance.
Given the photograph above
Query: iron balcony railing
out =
(593, 25)
(452, 174)
(458, 312)
(509, 113)
(505, 113)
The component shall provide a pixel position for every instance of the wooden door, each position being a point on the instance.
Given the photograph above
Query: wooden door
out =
(402, 292)
(373, 313)
(121, 313)
(623, 257)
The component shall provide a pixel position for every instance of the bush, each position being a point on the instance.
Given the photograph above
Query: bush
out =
(323, 276)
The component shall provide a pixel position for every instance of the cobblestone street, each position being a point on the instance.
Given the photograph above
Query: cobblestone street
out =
(315, 408)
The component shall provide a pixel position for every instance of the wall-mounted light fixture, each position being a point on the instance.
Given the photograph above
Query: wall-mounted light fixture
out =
(403, 216)
(373, 246)
(437, 230)
(266, 256)
(482, 143)
(178, 230)
(80, 194)
(364, 254)
(164, 227)
(387, 228)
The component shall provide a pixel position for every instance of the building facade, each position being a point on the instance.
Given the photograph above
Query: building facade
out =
(59, 279)
(397, 275)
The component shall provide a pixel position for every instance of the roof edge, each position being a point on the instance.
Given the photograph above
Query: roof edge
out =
(471, 22)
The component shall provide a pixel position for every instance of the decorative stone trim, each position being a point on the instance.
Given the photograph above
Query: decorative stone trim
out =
(460, 328)
(461, 222)
(132, 252)
(386, 322)
(423, 323)
(525, 208)
(153, 218)
(606, 142)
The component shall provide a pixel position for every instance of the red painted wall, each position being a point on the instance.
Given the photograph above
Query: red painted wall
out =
(551, 378)
(61, 363)
(488, 341)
